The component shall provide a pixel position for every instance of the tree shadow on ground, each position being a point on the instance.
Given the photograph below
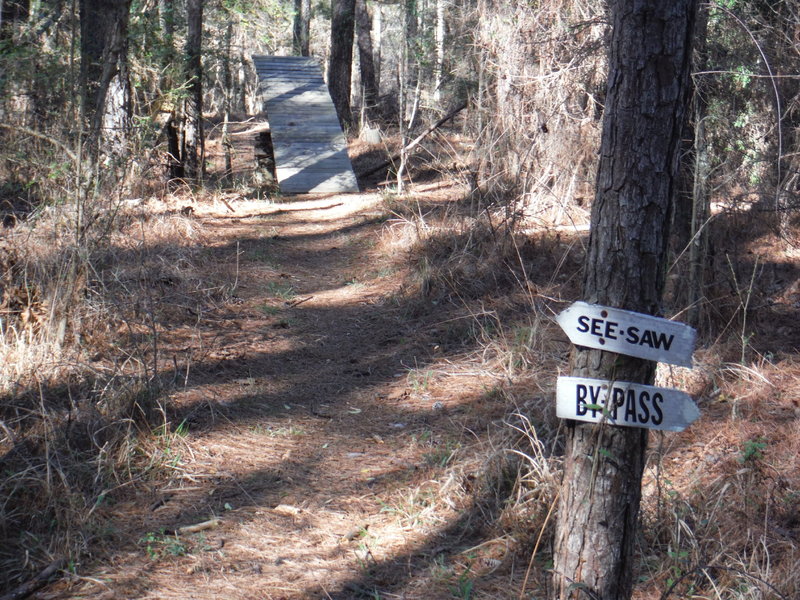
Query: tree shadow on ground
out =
(319, 388)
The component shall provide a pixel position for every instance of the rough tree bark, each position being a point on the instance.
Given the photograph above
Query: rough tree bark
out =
(300, 27)
(698, 234)
(365, 57)
(105, 81)
(193, 138)
(305, 29)
(340, 68)
(166, 17)
(649, 65)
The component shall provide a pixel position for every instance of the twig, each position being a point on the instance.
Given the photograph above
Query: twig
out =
(416, 141)
(298, 302)
(225, 202)
(703, 568)
(41, 136)
(210, 524)
(536, 546)
(37, 583)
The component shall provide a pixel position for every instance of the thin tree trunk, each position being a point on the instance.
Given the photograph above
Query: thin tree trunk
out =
(105, 83)
(193, 139)
(411, 46)
(227, 80)
(166, 17)
(365, 57)
(438, 71)
(698, 248)
(305, 28)
(297, 27)
(341, 60)
(649, 66)
(377, 46)
(691, 209)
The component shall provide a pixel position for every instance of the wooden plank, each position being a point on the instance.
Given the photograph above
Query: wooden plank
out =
(318, 183)
(296, 79)
(309, 147)
(291, 150)
(289, 113)
(336, 163)
(305, 125)
(281, 136)
(286, 64)
(294, 97)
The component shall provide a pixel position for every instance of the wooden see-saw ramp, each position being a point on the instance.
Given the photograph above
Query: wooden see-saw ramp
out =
(309, 146)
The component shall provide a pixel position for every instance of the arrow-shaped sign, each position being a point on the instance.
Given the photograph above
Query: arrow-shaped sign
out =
(624, 403)
(628, 332)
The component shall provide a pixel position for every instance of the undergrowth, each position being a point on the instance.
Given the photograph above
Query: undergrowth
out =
(83, 418)
(720, 499)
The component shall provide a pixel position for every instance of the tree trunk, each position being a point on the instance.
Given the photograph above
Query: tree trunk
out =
(649, 63)
(365, 57)
(412, 54)
(341, 60)
(166, 18)
(193, 139)
(300, 27)
(438, 71)
(377, 46)
(297, 27)
(305, 28)
(691, 203)
(227, 80)
(105, 82)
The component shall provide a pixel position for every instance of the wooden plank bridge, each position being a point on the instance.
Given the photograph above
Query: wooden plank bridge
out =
(309, 146)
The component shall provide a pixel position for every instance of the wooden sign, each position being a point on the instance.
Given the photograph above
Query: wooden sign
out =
(624, 403)
(627, 332)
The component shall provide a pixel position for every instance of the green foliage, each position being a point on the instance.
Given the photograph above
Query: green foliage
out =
(463, 585)
(281, 290)
(679, 565)
(158, 545)
(441, 455)
(753, 450)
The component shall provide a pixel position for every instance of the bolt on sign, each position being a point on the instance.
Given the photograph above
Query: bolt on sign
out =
(624, 403)
(627, 332)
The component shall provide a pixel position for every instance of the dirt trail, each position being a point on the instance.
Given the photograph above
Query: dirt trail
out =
(306, 423)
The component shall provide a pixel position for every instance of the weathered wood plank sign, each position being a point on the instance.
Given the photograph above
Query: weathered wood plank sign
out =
(624, 403)
(628, 332)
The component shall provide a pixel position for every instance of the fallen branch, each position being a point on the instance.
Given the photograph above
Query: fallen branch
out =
(416, 141)
(43, 137)
(298, 302)
(37, 583)
(210, 524)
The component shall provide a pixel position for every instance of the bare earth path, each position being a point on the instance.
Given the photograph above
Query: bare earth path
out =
(307, 421)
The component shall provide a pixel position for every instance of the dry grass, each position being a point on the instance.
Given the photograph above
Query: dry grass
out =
(82, 378)
(83, 423)
(721, 499)
(539, 110)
